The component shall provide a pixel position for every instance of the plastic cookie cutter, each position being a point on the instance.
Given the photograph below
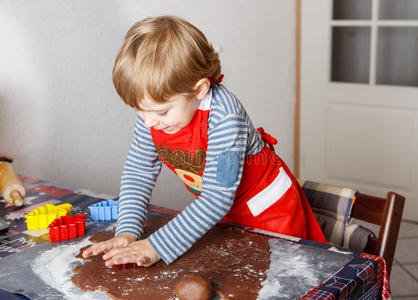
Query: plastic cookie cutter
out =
(104, 211)
(41, 217)
(127, 266)
(67, 227)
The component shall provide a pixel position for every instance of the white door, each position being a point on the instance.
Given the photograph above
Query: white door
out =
(359, 96)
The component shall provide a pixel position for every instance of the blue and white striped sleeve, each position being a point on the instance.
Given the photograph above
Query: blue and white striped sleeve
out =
(224, 164)
(139, 175)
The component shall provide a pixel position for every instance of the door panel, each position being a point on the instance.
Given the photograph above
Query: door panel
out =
(352, 146)
(359, 101)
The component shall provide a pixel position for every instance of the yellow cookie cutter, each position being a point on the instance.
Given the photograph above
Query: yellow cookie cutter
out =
(41, 217)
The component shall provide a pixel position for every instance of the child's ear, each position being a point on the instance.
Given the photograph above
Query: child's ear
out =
(201, 88)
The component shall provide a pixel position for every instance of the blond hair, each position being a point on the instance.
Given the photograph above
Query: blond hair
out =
(161, 57)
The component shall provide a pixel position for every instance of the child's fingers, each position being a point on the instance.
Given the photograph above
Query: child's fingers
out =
(139, 252)
(102, 247)
(105, 246)
(144, 261)
(97, 249)
(87, 253)
(113, 252)
(92, 250)
(121, 258)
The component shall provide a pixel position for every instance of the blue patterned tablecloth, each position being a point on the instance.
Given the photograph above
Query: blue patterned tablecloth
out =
(364, 277)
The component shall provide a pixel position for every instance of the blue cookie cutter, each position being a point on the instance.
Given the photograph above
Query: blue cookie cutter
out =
(104, 210)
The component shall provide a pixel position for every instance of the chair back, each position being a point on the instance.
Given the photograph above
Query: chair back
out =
(336, 207)
(385, 212)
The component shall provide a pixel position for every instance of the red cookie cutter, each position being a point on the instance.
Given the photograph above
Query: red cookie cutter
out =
(127, 266)
(67, 227)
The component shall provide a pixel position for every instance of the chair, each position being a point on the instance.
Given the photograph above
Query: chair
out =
(385, 212)
(336, 207)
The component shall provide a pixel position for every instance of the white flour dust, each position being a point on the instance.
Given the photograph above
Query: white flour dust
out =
(289, 267)
(55, 268)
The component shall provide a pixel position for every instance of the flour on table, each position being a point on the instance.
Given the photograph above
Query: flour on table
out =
(296, 269)
(55, 268)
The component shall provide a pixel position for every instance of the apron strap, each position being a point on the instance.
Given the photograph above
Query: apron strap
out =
(267, 138)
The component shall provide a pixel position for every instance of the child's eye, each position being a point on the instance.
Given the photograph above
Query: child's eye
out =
(162, 113)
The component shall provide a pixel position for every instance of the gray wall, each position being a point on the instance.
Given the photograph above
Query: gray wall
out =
(60, 117)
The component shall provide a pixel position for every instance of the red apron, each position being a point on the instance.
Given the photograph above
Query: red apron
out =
(268, 197)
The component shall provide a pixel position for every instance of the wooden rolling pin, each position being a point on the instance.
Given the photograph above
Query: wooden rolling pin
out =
(11, 188)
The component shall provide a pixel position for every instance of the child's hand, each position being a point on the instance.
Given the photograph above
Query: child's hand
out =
(139, 252)
(122, 240)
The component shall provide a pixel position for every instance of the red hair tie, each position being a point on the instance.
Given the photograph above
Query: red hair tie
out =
(218, 80)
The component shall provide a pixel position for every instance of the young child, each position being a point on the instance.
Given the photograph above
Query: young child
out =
(167, 70)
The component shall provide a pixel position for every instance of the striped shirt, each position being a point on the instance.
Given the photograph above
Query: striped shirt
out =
(231, 136)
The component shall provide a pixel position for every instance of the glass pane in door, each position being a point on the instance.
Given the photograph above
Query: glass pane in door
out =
(350, 54)
(352, 9)
(398, 9)
(397, 56)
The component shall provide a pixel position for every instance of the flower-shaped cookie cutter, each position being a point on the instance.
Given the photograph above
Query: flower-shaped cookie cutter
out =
(41, 217)
(67, 227)
(104, 211)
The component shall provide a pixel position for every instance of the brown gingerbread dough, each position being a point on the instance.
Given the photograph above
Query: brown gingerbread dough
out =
(233, 261)
(194, 287)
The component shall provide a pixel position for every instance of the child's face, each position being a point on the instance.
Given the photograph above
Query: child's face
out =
(171, 116)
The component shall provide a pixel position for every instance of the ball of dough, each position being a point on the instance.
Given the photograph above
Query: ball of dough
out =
(193, 287)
